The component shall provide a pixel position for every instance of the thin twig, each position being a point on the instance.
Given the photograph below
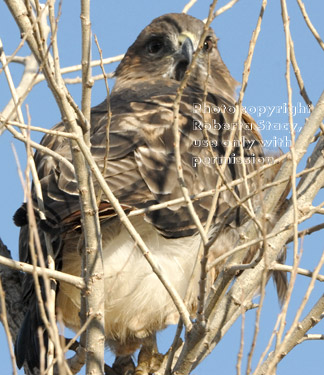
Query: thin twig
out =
(298, 76)
(76, 80)
(225, 7)
(308, 231)
(24, 36)
(173, 348)
(262, 253)
(56, 133)
(240, 352)
(41, 148)
(309, 24)
(109, 114)
(245, 77)
(285, 20)
(76, 281)
(311, 337)
(87, 81)
(300, 271)
(188, 6)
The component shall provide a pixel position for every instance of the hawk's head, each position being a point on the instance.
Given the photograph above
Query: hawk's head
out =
(165, 48)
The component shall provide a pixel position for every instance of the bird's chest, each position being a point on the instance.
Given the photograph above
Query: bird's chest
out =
(136, 302)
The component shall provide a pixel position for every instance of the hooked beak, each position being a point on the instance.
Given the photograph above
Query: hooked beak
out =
(183, 57)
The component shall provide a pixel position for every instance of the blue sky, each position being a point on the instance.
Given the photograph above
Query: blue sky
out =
(116, 27)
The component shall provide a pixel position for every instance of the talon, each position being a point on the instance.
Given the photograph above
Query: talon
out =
(149, 359)
(124, 365)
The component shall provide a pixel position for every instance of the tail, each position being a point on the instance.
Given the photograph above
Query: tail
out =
(27, 345)
(280, 278)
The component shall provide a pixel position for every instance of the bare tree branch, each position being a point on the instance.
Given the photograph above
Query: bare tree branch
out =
(309, 23)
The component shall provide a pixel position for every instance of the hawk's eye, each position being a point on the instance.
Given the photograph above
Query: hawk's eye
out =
(154, 46)
(208, 44)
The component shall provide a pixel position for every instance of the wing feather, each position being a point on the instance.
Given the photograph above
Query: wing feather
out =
(141, 167)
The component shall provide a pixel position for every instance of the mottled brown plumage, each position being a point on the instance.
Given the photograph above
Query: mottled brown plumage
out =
(141, 171)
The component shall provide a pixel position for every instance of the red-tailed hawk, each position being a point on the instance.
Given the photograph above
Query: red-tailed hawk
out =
(141, 171)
